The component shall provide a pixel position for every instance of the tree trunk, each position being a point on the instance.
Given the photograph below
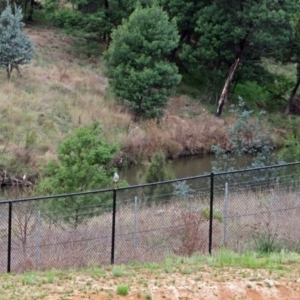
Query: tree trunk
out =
(30, 14)
(173, 53)
(8, 70)
(294, 91)
(25, 7)
(226, 87)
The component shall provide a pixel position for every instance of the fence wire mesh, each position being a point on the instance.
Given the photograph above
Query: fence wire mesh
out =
(160, 219)
(3, 237)
(255, 209)
(63, 232)
(258, 209)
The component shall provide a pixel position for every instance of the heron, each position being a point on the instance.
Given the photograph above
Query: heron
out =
(116, 178)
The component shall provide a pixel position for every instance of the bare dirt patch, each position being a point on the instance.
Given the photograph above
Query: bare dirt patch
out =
(183, 281)
(201, 285)
(53, 41)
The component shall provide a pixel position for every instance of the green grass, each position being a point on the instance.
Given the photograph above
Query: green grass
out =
(223, 266)
(123, 289)
(252, 260)
(31, 278)
(148, 295)
(118, 271)
(228, 258)
(96, 272)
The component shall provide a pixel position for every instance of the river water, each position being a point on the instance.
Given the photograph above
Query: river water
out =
(182, 167)
(187, 167)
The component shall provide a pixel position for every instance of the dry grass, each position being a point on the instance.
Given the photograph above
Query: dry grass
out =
(54, 95)
(176, 135)
(59, 92)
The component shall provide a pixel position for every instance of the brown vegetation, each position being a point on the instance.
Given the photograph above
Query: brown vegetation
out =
(58, 92)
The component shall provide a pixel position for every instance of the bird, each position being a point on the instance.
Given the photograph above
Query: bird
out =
(116, 178)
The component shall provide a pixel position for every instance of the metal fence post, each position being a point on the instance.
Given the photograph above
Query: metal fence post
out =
(225, 214)
(112, 260)
(9, 236)
(211, 205)
(135, 221)
(38, 241)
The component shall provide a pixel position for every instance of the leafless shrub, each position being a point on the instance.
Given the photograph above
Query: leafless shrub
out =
(190, 231)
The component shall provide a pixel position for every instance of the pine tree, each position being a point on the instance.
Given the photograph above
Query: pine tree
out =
(231, 37)
(15, 48)
(137, 60)
(83, 164)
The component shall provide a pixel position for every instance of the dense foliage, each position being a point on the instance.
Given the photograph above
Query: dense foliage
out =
(83, 164)
(212, 35)
(137, 60)
(150, 42)
(247, 136)
(158, 169)
(248, 139)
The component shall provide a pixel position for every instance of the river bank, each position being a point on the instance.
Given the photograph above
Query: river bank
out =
(51, 100)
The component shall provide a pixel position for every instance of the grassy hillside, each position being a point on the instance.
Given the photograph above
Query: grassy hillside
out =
(62, 89)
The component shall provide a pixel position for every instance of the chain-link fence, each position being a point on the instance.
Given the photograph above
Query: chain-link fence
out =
(56, 232)
(162, 218)
(259, 209)
(255, 209)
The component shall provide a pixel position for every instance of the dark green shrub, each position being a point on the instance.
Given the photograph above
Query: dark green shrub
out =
(66, 18)
(254, 94)
(83, 164)
(137, 61)
(291, 150)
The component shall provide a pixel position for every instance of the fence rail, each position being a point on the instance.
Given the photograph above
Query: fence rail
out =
(242, 210)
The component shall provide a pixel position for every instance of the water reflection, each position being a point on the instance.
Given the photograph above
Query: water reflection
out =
(182, 167)
(185, 167)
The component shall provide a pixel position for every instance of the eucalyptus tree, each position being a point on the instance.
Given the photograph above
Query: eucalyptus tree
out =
(137, 60)
(231, 33)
